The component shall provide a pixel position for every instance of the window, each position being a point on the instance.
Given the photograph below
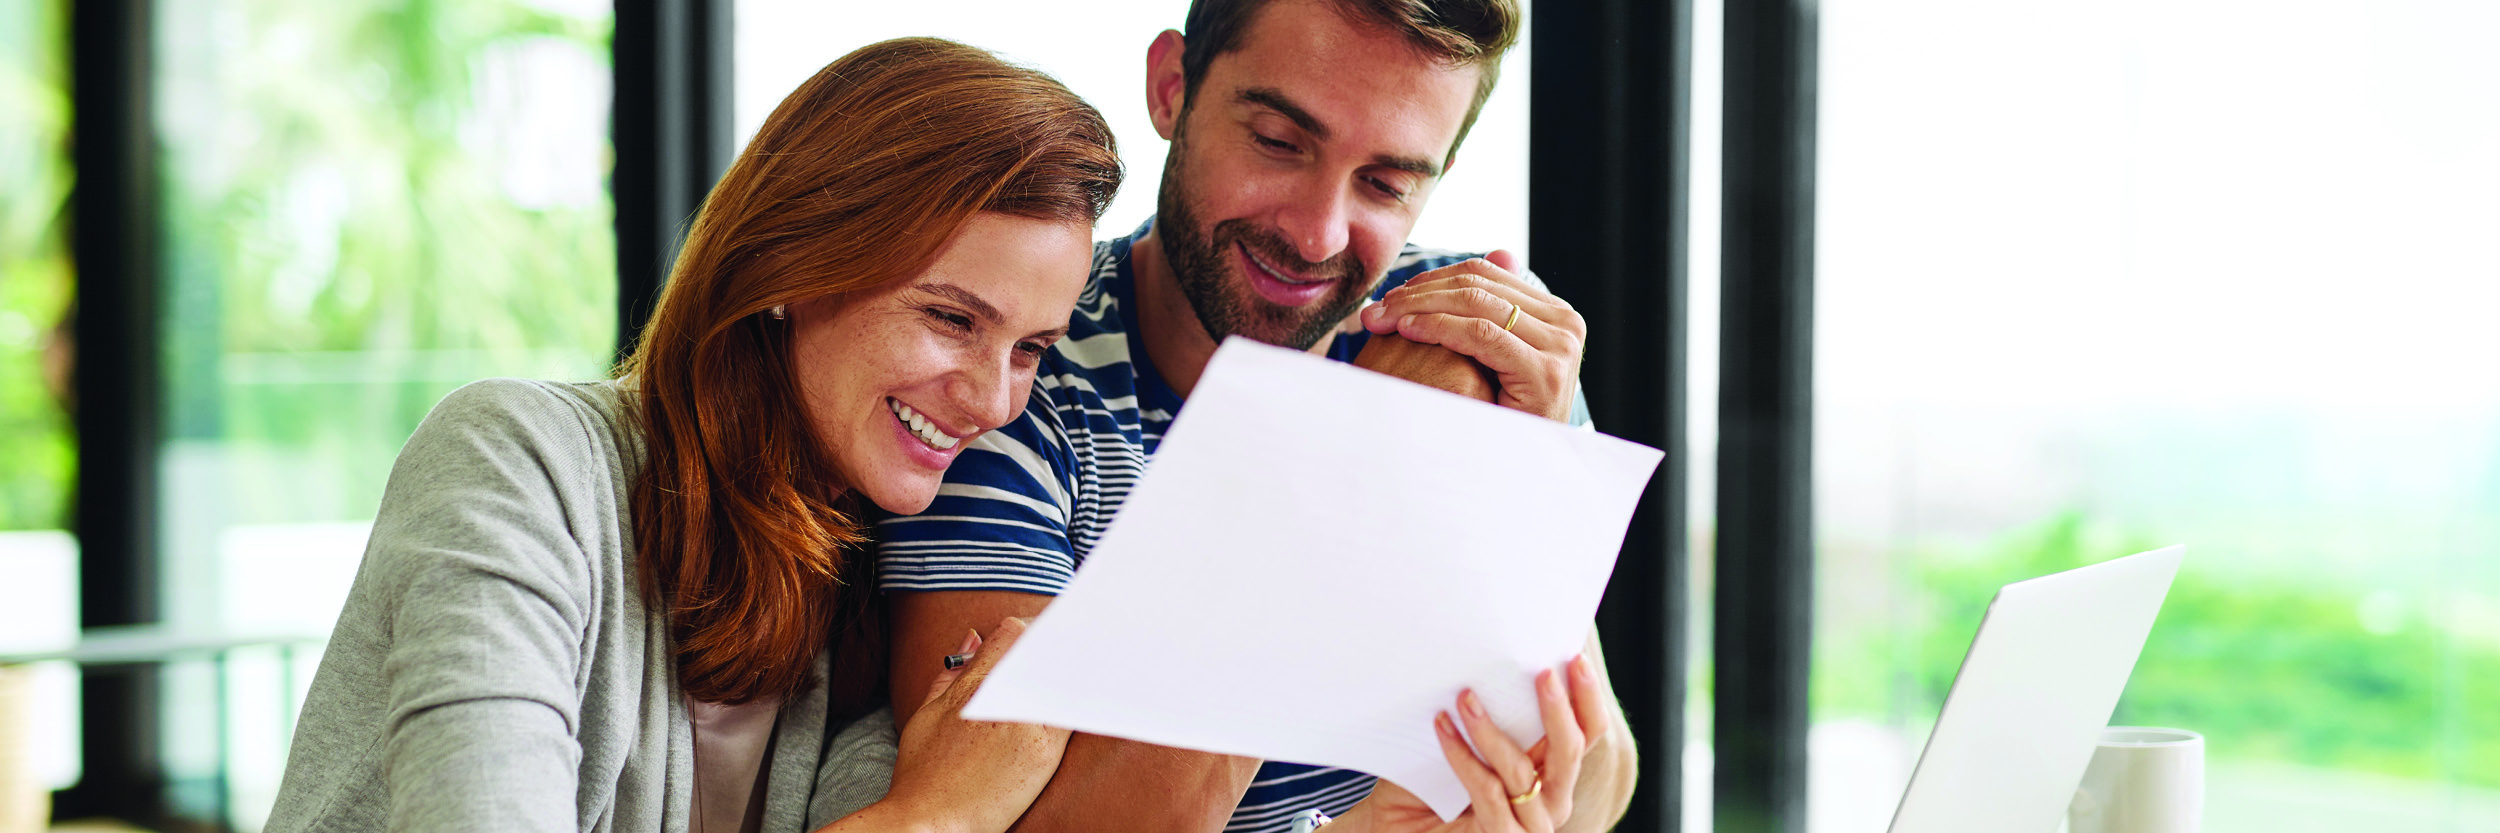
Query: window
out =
(34, 267)
(365, 206)
(38, 559)
(2098, 278)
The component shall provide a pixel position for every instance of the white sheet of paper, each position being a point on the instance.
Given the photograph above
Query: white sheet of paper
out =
(1317, 561)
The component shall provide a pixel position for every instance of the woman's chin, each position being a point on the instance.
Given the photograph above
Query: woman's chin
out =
(904, 498)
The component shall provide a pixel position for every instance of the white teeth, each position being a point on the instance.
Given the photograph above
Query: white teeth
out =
(921, 426)
(1271, 271)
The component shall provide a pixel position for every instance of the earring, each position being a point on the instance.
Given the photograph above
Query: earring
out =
(778, 312)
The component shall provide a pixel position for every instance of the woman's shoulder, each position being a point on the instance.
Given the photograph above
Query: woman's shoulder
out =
(526, 440)
(555, 422)
(534, 404)
(514, 478)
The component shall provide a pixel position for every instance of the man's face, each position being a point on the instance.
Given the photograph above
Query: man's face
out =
(1298, 168)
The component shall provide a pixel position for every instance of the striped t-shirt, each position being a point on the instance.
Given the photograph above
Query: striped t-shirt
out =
(1022, 505)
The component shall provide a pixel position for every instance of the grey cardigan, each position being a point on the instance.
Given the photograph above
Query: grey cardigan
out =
(495, 668)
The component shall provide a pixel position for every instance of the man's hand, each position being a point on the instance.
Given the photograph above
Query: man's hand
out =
(1481, 308)
(1427, 365)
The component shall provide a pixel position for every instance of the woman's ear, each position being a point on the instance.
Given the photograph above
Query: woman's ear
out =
(1167, 88)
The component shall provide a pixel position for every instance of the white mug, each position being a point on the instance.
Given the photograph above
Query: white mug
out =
(2142, 780)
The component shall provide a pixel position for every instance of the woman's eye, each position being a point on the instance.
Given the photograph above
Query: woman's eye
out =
(1031, 350)
(951, 320)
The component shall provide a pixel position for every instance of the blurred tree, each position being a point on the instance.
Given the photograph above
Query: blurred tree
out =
(368, 204)
(36, 453)
(2328, 677)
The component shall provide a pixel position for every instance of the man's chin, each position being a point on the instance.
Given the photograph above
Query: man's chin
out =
(1298, 333)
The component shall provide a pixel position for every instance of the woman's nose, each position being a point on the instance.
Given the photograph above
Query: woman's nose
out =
(989, 394)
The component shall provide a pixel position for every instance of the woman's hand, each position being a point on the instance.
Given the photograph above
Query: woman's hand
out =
(961, 776)
(1509, 790)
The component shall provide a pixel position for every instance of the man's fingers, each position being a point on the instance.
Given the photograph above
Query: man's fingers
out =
(1564, 744)
(1487, 273)
(1588, 698)
(1476, 301)
(1505, 260)
(1499, 752)
(1528, 379)
(1505, 353)
(1518, 775)
(1484, 789)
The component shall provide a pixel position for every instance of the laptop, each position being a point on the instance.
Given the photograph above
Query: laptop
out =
(2028, 705)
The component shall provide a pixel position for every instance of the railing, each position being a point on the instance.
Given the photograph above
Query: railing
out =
(151, 646)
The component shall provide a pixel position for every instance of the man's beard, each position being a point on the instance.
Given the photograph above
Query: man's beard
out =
(1203, 264)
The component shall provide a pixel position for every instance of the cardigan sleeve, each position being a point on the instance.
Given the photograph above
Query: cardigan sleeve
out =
(489, 609)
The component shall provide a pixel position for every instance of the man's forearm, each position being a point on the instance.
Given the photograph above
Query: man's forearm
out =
(1109, 784)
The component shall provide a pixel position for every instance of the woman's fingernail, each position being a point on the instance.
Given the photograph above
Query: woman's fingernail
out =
(1580, 666)
(1549, 683)
(1441, 723)
(1474, 705)
(971, 638)
(1406, 321)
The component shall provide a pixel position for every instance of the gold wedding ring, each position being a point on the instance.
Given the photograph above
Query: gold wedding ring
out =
(1514, 318)
(1533, 790)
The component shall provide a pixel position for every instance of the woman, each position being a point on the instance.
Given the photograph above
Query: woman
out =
(644, 604)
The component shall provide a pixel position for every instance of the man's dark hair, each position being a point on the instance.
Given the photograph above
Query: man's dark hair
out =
(1455, 32)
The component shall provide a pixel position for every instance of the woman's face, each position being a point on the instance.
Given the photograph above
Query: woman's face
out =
(896, 379)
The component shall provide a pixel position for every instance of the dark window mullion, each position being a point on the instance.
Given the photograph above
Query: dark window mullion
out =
(117, 386)
(673, 137)
(1765, 554)
(1608, 180)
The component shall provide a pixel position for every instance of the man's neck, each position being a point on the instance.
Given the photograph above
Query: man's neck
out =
(1176, 342)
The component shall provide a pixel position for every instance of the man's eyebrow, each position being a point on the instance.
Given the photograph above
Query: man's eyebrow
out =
(965, 297)
(1416, 165)
(1273, 99)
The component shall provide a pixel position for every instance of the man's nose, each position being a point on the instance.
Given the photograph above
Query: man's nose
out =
(1315, 222)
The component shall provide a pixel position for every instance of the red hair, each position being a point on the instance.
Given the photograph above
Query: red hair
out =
(745, 534)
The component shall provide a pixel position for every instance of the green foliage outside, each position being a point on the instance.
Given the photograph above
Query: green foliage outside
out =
(340, 250)
(343, 243)
(2265, 671)
(35, 440)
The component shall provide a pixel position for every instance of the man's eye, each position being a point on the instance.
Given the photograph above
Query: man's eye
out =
(1276, 144)
(1386, 189)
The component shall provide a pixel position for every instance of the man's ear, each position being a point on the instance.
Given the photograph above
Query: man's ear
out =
(1166, 87)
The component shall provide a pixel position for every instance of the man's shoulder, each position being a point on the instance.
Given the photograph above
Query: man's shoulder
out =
(1415, 260)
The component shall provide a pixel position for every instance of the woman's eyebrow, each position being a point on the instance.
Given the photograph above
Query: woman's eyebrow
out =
(980, 307)
(965, 297)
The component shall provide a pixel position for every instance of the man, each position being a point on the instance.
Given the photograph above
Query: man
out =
(1306, 137)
